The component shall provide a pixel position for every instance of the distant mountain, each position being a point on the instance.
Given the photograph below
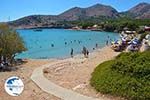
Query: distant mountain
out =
(101, 10)
(34, 21)
(93, 11)
(142, 10)
(73, 14)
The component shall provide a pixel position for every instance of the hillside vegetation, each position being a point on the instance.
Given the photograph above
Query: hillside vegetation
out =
(108, 24)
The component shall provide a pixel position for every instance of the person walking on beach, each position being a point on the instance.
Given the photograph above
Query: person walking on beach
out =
(71, 53)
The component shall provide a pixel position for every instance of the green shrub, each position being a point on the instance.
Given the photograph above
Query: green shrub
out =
(127, 76)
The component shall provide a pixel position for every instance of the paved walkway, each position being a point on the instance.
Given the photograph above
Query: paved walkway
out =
(58, 91)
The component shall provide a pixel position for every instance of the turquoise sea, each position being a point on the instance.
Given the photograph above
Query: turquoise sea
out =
(39, 43)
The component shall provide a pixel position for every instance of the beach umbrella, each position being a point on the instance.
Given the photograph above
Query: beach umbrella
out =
(147, 37)
(123, 39)
(135, 41)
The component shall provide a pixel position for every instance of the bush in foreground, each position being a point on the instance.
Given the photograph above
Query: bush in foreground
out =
(127, 76)
(10, 43)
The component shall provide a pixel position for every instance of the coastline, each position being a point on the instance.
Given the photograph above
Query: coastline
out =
(34, 28)
(78, 55)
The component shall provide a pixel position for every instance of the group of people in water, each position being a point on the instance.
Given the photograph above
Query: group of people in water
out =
(52, 45)
(85, 51)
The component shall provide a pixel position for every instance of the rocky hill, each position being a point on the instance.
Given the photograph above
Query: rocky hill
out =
(93, 11)
(142, 10)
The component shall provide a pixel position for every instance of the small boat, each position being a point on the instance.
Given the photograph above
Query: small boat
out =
(38, 30)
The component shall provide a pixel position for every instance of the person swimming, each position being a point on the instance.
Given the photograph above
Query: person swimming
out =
(52, 45)
(108, 37)
(65, 43)
(79, 41)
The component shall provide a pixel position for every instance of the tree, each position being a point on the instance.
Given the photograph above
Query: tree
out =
(10, 43)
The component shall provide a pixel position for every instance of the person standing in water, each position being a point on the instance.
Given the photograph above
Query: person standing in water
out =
(87, 53)
(107, 42)
(108, 38)
(96, 45)
(84, 51)
(71, 53)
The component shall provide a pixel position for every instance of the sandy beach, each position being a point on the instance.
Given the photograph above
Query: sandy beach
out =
(68, 50)
(73, 74)
(31, 91)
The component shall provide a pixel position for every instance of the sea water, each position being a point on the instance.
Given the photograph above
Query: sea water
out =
(57, 43)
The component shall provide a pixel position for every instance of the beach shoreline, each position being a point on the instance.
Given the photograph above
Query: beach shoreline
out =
(78, 55)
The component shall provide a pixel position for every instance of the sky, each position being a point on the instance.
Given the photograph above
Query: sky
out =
(14, 9)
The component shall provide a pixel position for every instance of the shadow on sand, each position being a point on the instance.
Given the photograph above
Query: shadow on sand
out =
(13, 67)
